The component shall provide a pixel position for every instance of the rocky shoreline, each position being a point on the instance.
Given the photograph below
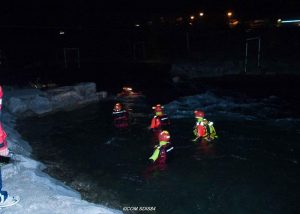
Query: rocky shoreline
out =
(33, 101)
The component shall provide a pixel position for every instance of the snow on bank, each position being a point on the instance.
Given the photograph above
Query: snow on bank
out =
(225, 107)
(40, 194)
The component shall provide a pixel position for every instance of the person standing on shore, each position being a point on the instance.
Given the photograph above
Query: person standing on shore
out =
(5, 199)
(3, 150)
(3, 143)
(3, 153)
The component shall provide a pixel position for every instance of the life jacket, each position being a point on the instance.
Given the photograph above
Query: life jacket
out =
(159, 155)
(200, 129)
(211, 130)
(206, 131)
(164, 143)
(120, 118)
(160, 121)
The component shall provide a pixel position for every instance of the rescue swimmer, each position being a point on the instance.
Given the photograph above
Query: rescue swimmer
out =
(120, 117)
(161, 150)
(160, 121)
(203, 129)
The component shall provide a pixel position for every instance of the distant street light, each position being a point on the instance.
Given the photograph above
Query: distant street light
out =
(290, 21)
(294, 22)
(61, 32)
(201, 14)
(137, 25)
(192, 17)
(229, 14)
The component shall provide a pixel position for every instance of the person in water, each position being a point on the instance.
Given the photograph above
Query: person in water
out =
(120, 117)
(203, 129)
(159, 155)
(160, 121)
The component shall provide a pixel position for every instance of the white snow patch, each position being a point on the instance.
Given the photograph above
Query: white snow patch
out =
(225, 107)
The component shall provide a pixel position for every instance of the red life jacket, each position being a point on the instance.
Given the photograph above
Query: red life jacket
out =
(159, 122)
(120, 119)
(201, 130)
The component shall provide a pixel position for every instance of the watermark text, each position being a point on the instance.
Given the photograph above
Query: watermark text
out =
(138, 209)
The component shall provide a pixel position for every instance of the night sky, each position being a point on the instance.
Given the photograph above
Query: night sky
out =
(78, 12)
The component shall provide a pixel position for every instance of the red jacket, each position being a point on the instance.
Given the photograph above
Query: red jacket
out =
(158, 122)
(3, 143)
(155, 123)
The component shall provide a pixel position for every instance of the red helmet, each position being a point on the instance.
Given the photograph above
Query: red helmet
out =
(118, 107)
(158, 108)
(199, 113)
(164, 136)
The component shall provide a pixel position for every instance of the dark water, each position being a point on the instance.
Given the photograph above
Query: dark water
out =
(253, 168)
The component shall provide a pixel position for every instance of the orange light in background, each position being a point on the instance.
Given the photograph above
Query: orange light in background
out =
(229, 14)
(233, 23)
(127, 89)
(192, 17)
